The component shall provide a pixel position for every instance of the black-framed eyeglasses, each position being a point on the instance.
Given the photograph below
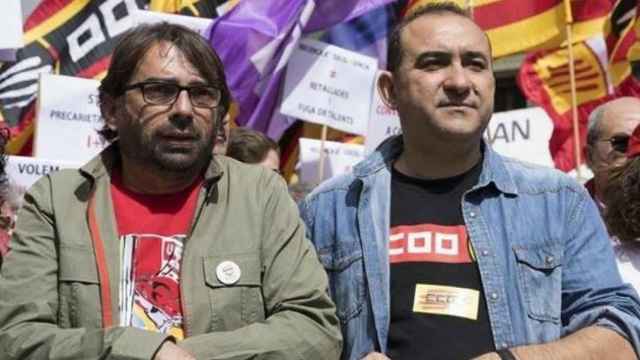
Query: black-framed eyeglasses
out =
(619, 143)
(162, 93)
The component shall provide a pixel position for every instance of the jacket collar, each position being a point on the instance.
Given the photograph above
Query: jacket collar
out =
(102, 165)
(494, 169)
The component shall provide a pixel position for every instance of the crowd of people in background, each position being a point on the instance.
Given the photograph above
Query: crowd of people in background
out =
(181, 240)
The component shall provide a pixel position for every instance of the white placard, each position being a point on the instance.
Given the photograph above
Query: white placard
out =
(67, 119)
(328, 85)
(383, 122)
(522, 134)
(339, 159)
(24, 171)
(11, 20)
(196, 24)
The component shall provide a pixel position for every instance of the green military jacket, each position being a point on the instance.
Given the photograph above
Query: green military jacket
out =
(54, 303)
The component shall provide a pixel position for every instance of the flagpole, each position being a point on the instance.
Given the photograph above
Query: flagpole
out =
(323, 139)
(574, 101)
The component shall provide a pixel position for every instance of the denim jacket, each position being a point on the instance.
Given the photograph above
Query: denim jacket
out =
(545, 259)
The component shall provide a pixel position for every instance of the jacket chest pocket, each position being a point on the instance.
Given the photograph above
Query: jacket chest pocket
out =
(345, 269)
(235, 290)
(78, 289)
(540, 273)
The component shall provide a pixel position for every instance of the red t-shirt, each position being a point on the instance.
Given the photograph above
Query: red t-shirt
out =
(152, 229)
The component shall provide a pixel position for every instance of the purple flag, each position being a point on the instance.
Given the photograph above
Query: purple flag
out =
(255, 40)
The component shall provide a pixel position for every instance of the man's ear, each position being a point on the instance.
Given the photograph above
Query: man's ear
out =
(386, 89)
(109, 110)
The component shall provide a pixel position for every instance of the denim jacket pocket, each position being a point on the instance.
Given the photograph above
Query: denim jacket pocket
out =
(235, 289)
(345, 269)
(540, 274)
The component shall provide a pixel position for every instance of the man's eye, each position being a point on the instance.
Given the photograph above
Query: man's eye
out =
(430, 64)
(201, 92)
(160, 90)
(477, 65)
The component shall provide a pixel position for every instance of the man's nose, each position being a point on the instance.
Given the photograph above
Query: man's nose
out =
(457, 80)
(183, 105)
(182, 115)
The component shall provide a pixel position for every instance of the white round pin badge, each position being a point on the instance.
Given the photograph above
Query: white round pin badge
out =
(228, 272)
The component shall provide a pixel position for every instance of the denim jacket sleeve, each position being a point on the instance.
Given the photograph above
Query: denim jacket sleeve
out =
(592, 290)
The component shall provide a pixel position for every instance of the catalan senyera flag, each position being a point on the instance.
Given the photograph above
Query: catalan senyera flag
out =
(545, 80)
(524, 25)
(621, 38)
(602, 67)
(68, 37)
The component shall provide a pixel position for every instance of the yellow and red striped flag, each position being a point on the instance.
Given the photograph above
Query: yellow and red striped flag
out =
(544, 79)
(524, 25)
(602, 73)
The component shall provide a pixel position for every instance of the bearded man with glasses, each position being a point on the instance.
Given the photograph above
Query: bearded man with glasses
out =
(609, 128)
(156, 248)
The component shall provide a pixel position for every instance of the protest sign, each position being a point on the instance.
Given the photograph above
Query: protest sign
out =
(196, 24)
(522, 134)
(68, 118)
(24, 171)
(11, 34)
(339, 158)
(327, 85)
(383, 122)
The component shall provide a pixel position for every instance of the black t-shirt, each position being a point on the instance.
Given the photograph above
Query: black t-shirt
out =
(438, 308)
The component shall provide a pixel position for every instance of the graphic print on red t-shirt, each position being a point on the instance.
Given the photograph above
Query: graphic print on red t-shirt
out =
(152, 231)
(152, 285)
(429, 243)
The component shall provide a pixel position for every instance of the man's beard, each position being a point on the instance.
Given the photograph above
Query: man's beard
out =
(151, 149)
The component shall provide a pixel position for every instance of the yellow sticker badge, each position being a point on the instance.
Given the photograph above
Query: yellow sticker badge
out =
(446, 300)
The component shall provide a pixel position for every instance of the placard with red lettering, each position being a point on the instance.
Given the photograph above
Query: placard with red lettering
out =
(68, 118)
(383, 122)
(328, 85)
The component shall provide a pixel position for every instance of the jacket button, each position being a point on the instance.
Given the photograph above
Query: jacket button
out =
(485, 252)
(494, 296)
(472, 214)
(549, 259)
(228, 272)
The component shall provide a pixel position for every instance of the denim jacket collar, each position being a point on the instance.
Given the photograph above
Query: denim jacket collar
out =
(493, 169)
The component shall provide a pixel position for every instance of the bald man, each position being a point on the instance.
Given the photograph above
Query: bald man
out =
(609, 128)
